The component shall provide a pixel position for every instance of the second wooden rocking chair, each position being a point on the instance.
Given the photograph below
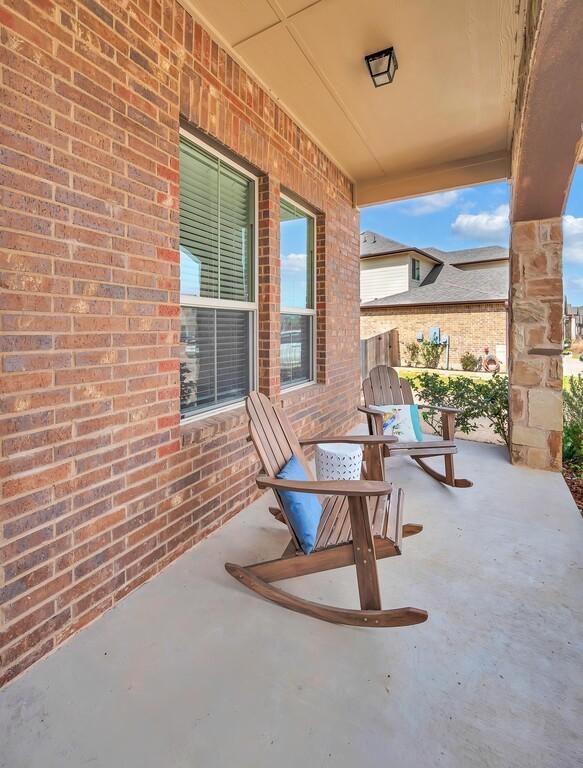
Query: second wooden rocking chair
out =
(360, 524)
(384, 387)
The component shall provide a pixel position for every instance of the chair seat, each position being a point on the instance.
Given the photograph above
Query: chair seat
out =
(384, 512)
(436, 447)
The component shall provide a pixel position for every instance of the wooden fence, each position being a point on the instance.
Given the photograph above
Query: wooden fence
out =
(382, 349)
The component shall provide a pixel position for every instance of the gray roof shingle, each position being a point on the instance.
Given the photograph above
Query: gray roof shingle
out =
(470, 255)
(446, 284)
(373, 244)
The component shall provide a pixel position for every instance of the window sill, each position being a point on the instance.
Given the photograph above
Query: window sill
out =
(205, 426)
(301, 392)
(295, 387)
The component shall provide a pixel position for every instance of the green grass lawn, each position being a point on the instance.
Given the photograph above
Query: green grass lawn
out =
(411, 373)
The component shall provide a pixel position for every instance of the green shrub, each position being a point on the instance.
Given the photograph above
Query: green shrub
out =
(573, 421)
(469, 362)
(476, 398)
(413, 352)
(431, 353)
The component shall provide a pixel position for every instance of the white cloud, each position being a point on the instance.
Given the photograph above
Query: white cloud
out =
(294, 262)
(490, 226)
(573, 241)
(433, 203)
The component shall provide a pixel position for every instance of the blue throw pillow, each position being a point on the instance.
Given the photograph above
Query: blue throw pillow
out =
(303, 510)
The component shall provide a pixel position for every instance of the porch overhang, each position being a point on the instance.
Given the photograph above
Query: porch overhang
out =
(446, 120)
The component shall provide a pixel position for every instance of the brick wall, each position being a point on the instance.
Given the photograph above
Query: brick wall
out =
(471, 327)
(102, 487)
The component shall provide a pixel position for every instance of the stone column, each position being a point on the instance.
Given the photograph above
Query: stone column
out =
(535, 343)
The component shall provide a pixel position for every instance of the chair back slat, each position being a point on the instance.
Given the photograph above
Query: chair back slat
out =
(407, 391)
(293, 440)
(367, 392)
(275, 442)
(273, 435)
(395, 385)
(384, 387)
(267, 434)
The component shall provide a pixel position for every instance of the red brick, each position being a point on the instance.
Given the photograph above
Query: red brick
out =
(36, 596)
(109, 482)
(30, 482)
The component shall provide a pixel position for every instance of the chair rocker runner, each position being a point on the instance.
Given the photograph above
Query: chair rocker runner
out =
(360, 524)
(384, 387)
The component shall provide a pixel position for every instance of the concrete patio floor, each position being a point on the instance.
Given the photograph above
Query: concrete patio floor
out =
(194, 670)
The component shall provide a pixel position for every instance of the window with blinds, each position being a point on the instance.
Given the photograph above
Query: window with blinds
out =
(298, 316)
(217, 292)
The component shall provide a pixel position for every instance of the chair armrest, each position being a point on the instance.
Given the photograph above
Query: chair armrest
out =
(374, 419)
(352, 439)
(327, 487)
(368, 411)
(442, 408)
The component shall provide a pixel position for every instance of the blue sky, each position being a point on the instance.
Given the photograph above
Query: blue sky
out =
(294, 261)
(475, 216)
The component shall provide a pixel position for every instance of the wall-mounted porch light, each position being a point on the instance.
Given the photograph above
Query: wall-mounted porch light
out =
(382, 66)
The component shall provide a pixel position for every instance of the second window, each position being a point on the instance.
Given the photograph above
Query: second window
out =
(298, 315)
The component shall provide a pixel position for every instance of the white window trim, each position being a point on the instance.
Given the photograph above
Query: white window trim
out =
(310, 312)
(249, 306)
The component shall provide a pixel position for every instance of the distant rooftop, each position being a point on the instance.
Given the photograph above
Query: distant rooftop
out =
(446, 283)
(374, 244)
(470, 255)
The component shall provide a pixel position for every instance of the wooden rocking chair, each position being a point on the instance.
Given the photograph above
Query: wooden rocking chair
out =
(360, 524)
(384, 387)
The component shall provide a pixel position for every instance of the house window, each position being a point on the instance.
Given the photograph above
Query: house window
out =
(217, 280)
(298, 321)
(415, 269)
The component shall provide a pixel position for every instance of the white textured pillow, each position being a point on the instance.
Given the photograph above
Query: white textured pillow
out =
(401, 421)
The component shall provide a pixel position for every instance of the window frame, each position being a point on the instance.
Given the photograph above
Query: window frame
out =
(283, 310)
(187, 300)
(415, 263)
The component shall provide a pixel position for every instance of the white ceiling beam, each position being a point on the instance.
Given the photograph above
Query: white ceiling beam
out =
(461, 173)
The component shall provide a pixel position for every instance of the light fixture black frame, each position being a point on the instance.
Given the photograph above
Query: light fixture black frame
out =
(390, 55)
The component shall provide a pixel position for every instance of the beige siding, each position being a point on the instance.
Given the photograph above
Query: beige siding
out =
(384, 276)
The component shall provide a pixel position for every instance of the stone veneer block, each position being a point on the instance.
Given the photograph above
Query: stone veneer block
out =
(545, 409)
(536, 296)
(529, 436)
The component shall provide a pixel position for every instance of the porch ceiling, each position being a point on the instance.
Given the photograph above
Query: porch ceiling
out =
(445, 120)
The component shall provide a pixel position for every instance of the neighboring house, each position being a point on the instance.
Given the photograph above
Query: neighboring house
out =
(388, 267)
(461, 293)
(572, 322)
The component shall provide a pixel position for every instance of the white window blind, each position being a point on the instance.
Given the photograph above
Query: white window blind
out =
(218, 311)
